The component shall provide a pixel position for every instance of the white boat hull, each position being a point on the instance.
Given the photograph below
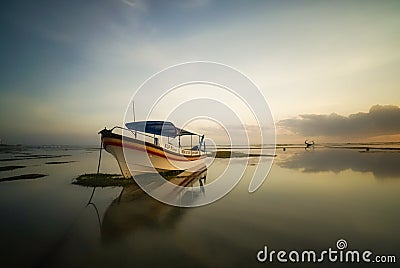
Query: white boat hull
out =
(136, 157)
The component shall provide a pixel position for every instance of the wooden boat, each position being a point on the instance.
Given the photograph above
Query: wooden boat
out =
(149, 148)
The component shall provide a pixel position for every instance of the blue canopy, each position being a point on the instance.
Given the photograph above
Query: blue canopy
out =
(162, 128)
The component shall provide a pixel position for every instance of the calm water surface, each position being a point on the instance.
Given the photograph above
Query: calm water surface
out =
(309, 201)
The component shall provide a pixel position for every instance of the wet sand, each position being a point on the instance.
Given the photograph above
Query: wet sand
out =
(6, 168)
(23, 177)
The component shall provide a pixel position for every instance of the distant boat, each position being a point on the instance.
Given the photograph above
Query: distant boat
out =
(144, 151)
(309, 144)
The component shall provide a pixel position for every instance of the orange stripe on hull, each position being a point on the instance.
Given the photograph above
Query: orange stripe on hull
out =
(148, 149)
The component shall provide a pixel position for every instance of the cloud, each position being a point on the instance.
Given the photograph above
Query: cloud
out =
(380, 120)
(129, 3)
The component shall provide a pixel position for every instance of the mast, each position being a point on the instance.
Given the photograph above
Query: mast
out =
(133, 110)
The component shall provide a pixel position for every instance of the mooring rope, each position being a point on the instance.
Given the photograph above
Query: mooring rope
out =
(101, 149)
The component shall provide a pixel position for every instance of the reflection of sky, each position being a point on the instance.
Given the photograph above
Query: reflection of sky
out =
(380, 163)
(291, 210)
(69, 68)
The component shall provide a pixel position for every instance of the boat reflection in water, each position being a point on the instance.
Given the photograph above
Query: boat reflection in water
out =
(134, 209)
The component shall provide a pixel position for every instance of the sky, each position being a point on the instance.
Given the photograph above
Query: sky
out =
(330, 70)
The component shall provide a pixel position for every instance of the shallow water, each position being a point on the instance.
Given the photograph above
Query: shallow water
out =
(310, 199)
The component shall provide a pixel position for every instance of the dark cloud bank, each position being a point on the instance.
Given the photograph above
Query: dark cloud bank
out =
(380, 120)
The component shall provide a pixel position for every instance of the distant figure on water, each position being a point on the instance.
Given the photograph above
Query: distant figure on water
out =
(309, 144)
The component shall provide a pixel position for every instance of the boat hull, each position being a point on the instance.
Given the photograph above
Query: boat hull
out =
(136, 157)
